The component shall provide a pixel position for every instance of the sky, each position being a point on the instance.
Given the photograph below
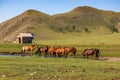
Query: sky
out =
(12, 8)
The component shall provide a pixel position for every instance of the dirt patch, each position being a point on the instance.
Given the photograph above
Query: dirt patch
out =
(110, 58)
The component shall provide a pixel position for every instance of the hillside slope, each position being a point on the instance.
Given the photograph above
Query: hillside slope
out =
(88, 19)
(33, 21)
(75, 23)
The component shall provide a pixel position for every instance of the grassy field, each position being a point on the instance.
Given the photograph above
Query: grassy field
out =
(106, 51)
(35, 68)
(84, 39)
(109, 45)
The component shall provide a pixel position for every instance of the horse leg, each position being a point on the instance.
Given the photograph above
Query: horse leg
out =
(94, 55)
(57, 55)
(39, 54)
(74, 54)
(22, 53)
(87, 56)
(31, 53)
(50, 55)
(46, 54)
(65, 55)
(84, 56)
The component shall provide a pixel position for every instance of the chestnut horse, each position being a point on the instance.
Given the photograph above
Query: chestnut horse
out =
(47, 50)
(71, 50)
(57, 50)
(51, 50)
(87, 52)
(28, 48)
(60, 50)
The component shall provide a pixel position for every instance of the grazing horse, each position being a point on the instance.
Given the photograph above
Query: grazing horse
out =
(59, 51)
(51, 50)
(95, 52)
(42, 49)
(48, 50)
(71, 50)
(28, 48)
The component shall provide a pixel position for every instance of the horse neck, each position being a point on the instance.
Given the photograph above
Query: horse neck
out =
(72, 49)
(34, 47)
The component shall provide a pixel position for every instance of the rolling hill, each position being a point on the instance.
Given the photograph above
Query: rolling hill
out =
(88, 19)
(40, 24)
(81, 20)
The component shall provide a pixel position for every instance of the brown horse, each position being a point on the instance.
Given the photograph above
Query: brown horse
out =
(87, 52)
(60, 51)
(28, 48)
(48, 50)
(51, 50)
(42, 49)
(71, 50)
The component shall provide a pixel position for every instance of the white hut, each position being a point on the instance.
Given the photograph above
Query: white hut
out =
(24, 38)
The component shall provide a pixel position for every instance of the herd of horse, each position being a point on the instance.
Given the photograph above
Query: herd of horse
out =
(56, 51)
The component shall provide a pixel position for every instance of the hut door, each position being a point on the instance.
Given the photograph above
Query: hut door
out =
(19, 40)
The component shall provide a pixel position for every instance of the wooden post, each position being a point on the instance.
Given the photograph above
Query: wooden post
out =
(21, 39)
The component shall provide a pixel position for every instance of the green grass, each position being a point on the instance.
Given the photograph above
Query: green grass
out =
(109, 51)
(34, 68)
(84, 39)
(108, 44)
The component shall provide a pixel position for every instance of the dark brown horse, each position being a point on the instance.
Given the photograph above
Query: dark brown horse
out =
(28, 48)
(71, 50)
(94, 52)
(42, 50)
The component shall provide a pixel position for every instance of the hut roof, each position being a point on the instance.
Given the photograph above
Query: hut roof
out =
(25, 35)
